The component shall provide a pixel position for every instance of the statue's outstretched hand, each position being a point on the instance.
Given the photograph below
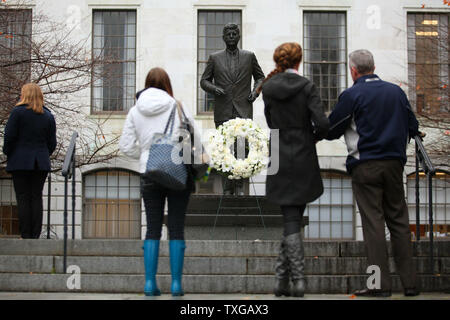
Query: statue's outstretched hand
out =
(219, 91)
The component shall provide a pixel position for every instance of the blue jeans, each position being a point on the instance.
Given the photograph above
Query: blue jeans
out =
(155, 196)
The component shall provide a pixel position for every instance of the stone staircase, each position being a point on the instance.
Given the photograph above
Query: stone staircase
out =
(238, 218)
(226, 266)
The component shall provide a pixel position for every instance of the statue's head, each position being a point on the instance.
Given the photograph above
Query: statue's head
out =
(231, 35)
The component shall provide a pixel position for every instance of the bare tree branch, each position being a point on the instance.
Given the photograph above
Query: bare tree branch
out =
(34, 47)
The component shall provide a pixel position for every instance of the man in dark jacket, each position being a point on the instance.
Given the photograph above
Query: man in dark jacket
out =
(377, 121)
(228, 76)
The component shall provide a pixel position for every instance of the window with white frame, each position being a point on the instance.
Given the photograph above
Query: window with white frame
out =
(441, 203)
(210, 31)
(114, 39)
(332, 215)
(112, 205)
(325, 53)
(9, 219)
(428, 62)
(15, 53)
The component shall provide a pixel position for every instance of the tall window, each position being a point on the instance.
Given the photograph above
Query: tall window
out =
(332, 215)
(15, 54)
(114, 37)
(15, 70)
(112, 205)
(9, 219)
(428, 62)
(210, 29)
(441, 203)
(325, 53)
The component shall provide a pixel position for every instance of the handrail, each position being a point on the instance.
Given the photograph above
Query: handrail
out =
(423, 159)
(49, 195)
(69, 155)
(68, 171)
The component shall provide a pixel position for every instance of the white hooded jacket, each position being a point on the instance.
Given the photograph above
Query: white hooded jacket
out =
(147, 117)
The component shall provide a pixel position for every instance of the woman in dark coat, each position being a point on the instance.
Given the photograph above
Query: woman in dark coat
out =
(293, 106)
(30, 139)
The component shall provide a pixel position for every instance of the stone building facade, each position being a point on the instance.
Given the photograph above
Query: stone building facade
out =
(178, 35)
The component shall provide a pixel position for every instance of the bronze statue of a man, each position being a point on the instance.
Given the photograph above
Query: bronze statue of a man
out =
(228, 76)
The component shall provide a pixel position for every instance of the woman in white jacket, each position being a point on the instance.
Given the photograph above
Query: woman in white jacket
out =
(147, 117)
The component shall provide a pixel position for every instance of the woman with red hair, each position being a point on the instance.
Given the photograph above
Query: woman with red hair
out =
(30, 139)
(293, 106)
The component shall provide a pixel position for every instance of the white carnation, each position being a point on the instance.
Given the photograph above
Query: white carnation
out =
(221, 143)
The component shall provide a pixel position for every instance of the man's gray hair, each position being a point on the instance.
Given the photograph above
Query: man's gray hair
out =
(231, 26)
(362, 60)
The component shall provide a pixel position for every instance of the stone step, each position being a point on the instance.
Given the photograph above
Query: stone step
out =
(201, 283)
(245, 211)
(441, 248)
(245, 219)
(236, 232)
(205, 248)
(210, 203)
(203, 265)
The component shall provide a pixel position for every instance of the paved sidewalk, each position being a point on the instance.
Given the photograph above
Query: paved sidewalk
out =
(243, 297)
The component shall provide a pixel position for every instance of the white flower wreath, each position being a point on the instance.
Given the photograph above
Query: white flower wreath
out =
(221, 143)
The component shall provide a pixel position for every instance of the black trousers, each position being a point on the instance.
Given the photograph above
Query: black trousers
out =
(28, 185)
(378, 189)
(155, 196)
(234, 115)
(292, 219)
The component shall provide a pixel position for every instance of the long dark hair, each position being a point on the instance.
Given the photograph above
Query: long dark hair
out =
(158, 78)
(286, 55)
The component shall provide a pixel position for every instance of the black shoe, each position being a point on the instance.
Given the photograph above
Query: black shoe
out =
(298, 288)
(411, 292)
(372, 293)
(282, 288)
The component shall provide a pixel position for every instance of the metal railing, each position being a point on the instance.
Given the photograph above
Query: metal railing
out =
(421, 156)
(424, 161)
(49, 195)
(68, 171)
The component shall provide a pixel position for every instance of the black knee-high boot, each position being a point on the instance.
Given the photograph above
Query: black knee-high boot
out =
(282, 272)
(296, 260)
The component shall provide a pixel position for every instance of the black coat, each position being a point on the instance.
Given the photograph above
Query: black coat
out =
(30, 139)
(293, 105)
(237, 87)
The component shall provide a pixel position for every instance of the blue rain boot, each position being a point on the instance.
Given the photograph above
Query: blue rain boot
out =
(151, 252)
(176, 248)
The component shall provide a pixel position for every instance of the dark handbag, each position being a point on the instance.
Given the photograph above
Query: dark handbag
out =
(160, 165)
(198, 162)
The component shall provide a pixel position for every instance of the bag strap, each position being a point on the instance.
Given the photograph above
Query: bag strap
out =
(170, 121)
(181, 112)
